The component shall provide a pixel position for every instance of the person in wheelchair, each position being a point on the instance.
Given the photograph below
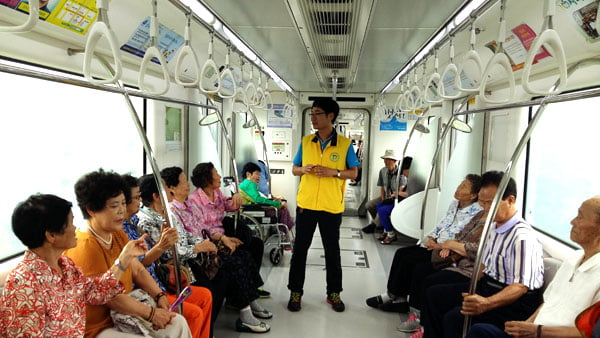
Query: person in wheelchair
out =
(251, 195)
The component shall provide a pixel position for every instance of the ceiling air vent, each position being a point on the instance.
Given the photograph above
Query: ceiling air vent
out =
(334, 61)
(332, 23)
(331, 1)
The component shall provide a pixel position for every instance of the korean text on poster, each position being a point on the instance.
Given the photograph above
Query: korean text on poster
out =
(278, 117)
(74, 15)
(139, 41)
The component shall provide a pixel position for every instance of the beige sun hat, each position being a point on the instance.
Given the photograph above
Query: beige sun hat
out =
(391, 154)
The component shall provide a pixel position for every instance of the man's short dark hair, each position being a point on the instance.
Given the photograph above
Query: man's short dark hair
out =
(148, 188)
(494, 177)
(171, 176)
(250, 168)
(202, 175)
(475, 181)
(328, 105)
(406, 163)
(38, 214)
(94, 189)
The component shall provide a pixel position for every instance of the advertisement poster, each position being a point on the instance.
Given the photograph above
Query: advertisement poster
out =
(173, 128)
(394, 120)
(168, 41)
(516, 45)
(278, 117)
(74, 15)
(583, 14)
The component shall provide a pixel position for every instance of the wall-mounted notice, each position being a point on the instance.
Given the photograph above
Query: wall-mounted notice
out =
(516, 45)
(278, 117)
(173, 128)
(394, 120)
(168, 41)
(74, 15)
(583, 14)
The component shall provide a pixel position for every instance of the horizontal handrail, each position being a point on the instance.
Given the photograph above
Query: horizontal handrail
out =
(83, 83)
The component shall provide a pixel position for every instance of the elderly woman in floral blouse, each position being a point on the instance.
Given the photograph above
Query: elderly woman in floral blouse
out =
(243, 278)
(46, 294)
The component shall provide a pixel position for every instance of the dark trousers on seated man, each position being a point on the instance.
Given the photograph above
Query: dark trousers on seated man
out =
(441, 315)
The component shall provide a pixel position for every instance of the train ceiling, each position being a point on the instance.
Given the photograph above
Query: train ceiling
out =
(362, 43)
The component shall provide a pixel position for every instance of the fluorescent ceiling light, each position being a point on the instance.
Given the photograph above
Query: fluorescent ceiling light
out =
(200, 10)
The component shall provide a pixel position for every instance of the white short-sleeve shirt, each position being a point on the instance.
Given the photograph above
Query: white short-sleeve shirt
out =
(574, 288)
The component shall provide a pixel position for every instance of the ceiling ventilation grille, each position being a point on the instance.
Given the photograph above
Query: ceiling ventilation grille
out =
(335, 30)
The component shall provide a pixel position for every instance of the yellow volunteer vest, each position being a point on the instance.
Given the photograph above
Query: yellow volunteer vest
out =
(323, 193)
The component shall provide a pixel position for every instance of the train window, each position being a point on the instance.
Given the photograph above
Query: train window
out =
(53, 133)
(563, 165)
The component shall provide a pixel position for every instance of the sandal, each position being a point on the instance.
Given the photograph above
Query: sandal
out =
(240, 326)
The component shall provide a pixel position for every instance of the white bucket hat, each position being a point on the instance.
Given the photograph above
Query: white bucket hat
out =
(391, 154)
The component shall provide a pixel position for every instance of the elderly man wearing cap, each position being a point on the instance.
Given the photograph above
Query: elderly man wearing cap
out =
(388, 184)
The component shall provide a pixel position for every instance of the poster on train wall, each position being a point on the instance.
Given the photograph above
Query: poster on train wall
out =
(583, 14)
(74, 15)
(139, 41)
(516, 46)
(393, 119)
(279, 117)
(172, 128)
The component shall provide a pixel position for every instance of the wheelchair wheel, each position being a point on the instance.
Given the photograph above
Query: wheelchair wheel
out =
(275, 255)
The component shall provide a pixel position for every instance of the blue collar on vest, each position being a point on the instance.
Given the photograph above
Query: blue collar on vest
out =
(332, 138)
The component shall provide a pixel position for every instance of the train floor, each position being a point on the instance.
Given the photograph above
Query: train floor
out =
(365, 266)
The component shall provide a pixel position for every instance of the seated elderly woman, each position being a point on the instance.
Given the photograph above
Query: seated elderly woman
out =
(46, 294)
(101, 198)
(197, 307)
(212, 204)
(250, 194)
(242, 275)
(152, 217)
(461, 210)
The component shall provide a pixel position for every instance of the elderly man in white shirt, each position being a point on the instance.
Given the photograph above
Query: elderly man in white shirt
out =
(575, 287)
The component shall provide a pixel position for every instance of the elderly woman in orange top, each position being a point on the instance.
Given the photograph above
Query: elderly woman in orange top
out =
(101, 198)
(46, 294)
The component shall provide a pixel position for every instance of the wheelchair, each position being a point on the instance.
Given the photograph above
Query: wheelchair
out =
(276, 236)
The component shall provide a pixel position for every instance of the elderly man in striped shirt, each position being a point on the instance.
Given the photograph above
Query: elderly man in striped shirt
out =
(510, 286)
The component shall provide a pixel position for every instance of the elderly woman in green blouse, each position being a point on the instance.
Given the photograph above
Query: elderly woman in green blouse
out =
(250, 193)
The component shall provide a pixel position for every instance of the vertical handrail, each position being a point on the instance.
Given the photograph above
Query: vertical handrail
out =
(32, 19)
(504, 182)
(101, 29)
(264, 143)
(155, 170)
(438, 148)
(410, 134)
(154, 51)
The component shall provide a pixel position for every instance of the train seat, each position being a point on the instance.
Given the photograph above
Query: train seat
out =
(551, 266)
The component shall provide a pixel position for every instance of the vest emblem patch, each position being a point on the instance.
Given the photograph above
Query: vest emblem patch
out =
(334, 157)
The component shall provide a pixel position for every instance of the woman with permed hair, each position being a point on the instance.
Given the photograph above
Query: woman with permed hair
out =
(101, 198)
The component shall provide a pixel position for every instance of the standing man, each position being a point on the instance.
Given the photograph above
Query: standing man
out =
(324, 161)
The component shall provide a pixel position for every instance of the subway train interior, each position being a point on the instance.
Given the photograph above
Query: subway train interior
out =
(461, 86)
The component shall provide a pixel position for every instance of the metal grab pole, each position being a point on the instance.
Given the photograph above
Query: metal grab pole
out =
(410, 134)
(262, 138)
(433, 165)
(152, 159)
(504, 182)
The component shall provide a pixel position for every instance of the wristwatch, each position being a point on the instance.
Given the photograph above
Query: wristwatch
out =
(119, 265)
(339, 174)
